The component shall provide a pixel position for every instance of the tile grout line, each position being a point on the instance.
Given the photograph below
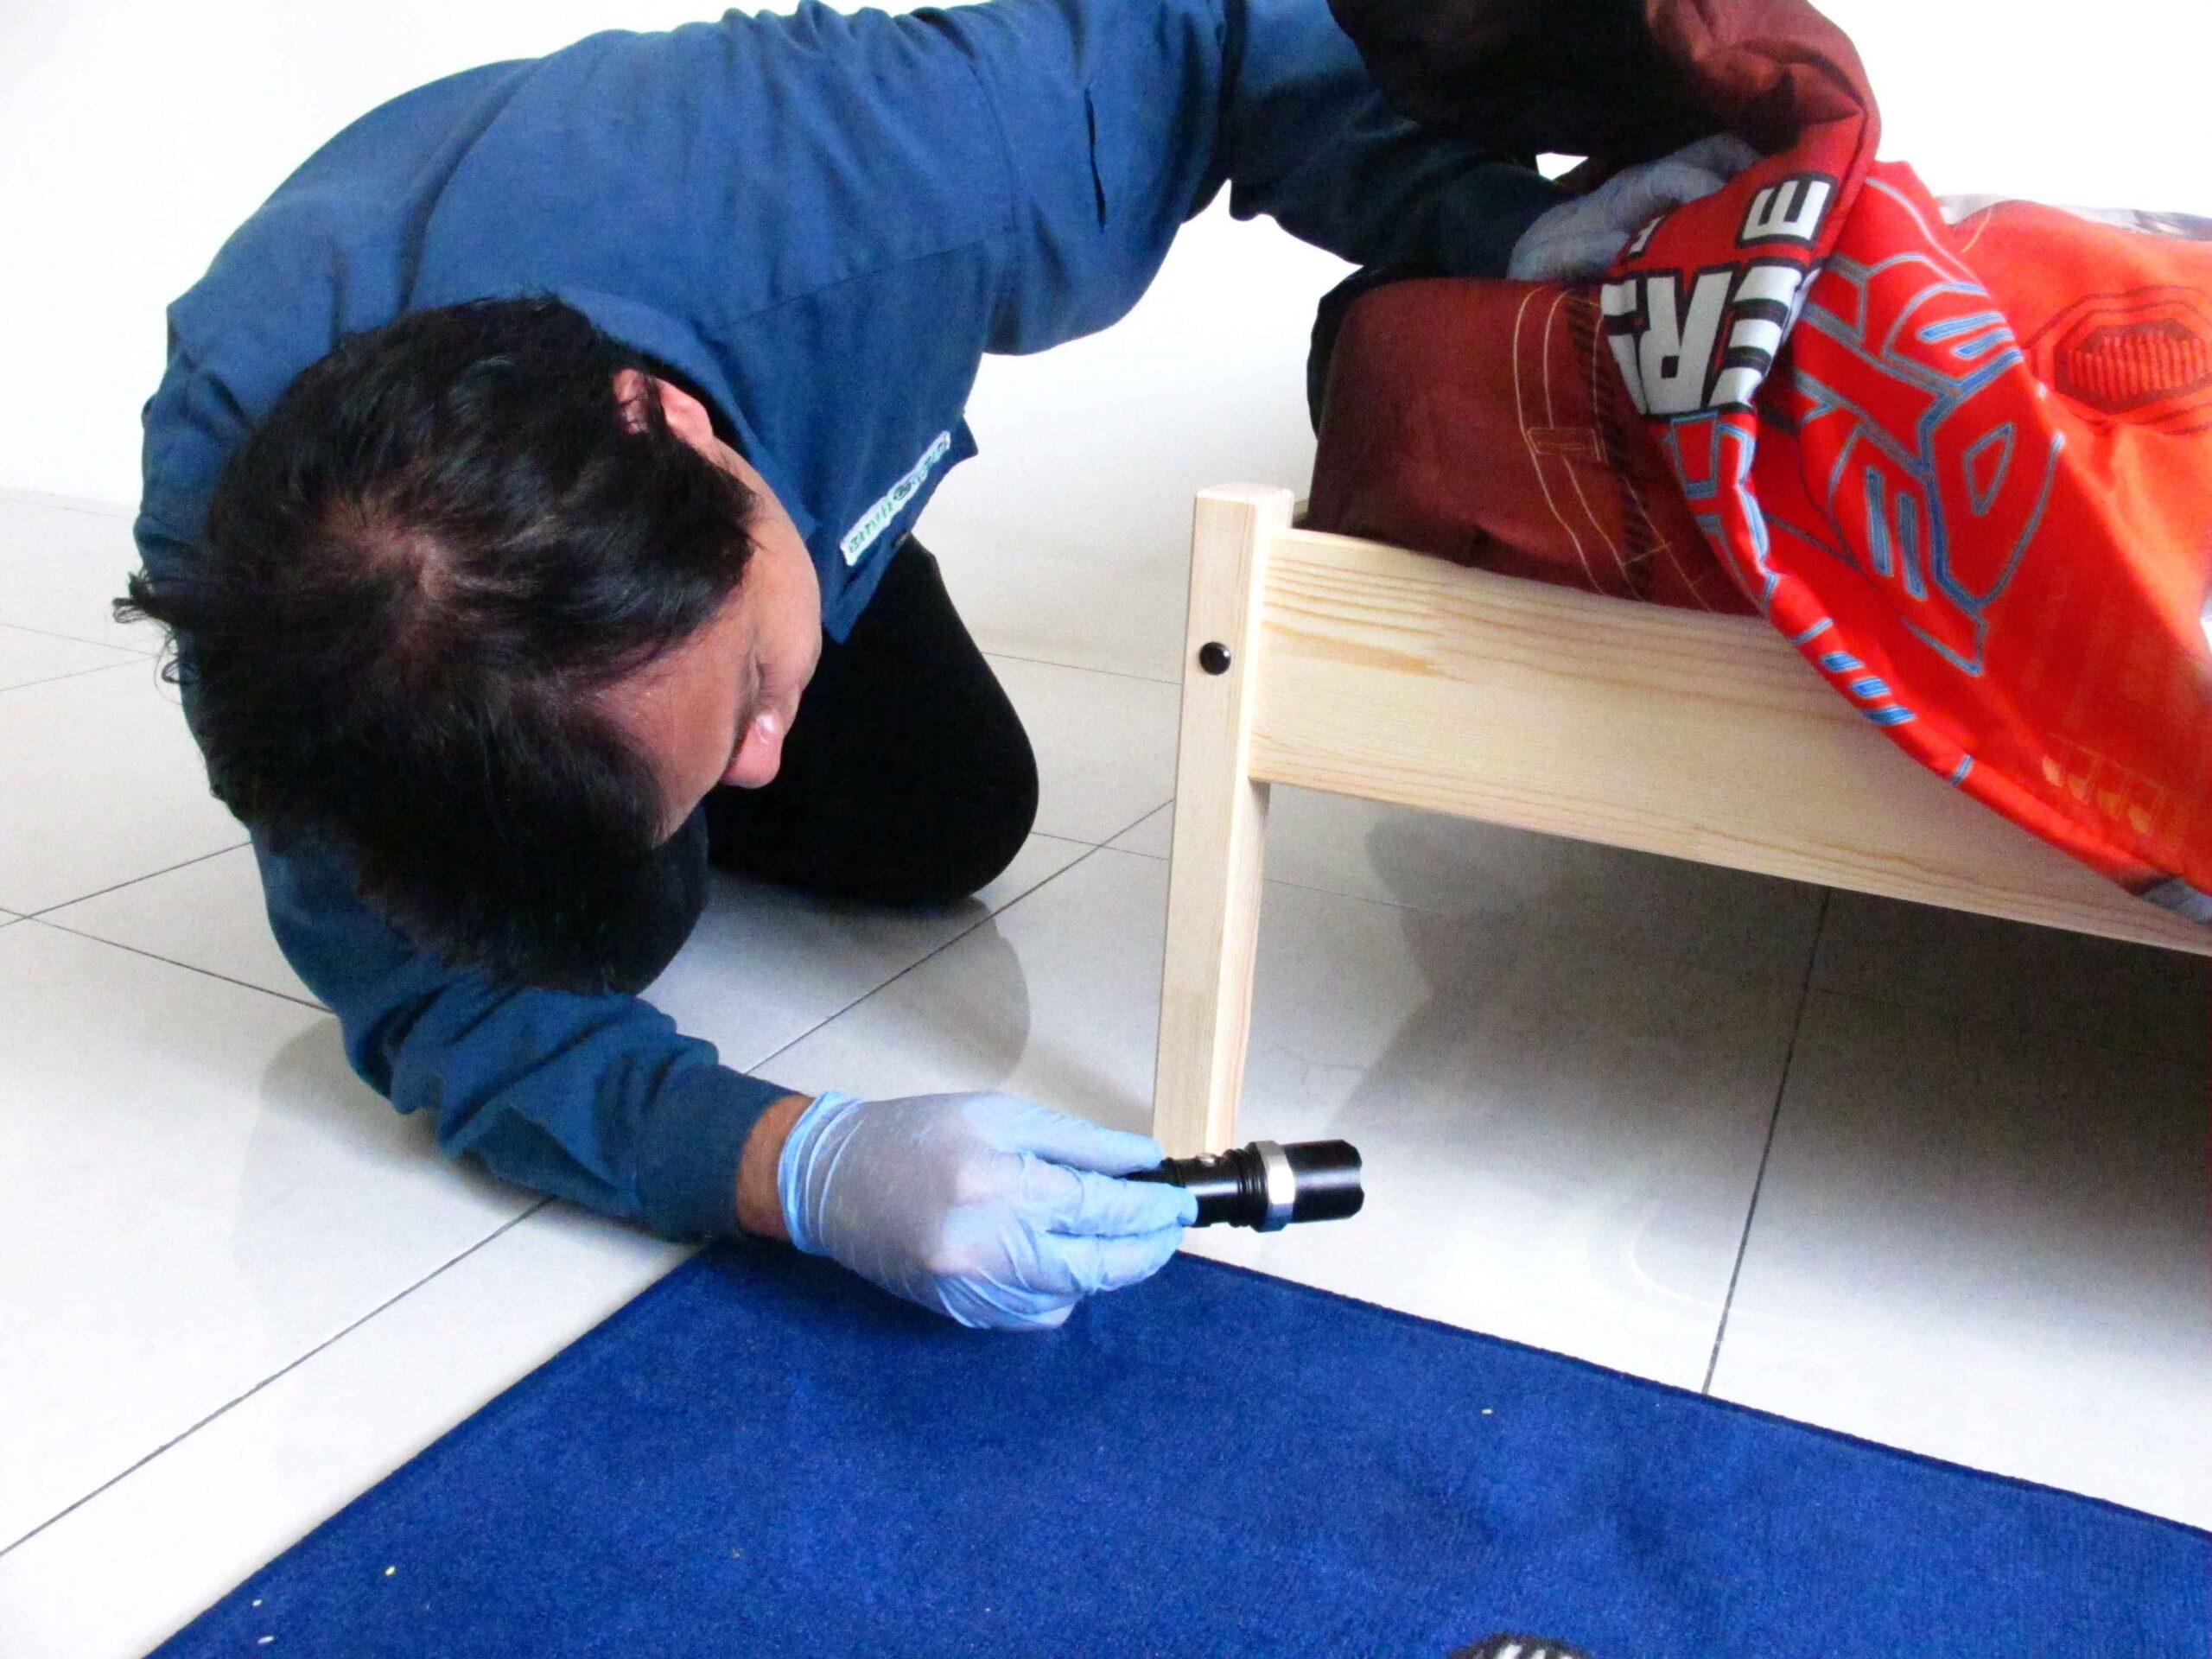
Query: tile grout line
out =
(1766, 1151)
(171, 869)
(82, 503)
(1108, 846)
(75, 673)
(1078, 668)
(189, 968)
(497, 1232)
(79, 640)
(1145, 816)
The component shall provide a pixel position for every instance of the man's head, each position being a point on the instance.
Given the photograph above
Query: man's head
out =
(486, 607)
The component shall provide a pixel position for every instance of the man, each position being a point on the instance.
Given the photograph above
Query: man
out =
(530, 496)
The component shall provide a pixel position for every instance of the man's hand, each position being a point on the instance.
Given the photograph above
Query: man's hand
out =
(991, 1210)
(1580, 239)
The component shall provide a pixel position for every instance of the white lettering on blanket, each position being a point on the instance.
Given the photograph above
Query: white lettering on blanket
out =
(1712, 355)
(1788, 212)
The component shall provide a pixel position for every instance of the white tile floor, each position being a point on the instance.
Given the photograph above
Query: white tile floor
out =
(1934, 1180)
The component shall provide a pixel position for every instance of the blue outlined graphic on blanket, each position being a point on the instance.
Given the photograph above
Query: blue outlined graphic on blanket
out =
(1942, 357)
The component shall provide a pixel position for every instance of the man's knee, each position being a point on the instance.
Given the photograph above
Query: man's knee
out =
(976, 830)
(1001, 833)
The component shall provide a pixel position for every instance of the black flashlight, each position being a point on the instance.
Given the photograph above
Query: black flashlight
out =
(1267, 1187)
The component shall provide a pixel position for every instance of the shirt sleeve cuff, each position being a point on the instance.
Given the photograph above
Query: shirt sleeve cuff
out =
(687, 1164)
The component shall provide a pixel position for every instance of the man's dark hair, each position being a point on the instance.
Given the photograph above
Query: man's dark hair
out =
(416, 572)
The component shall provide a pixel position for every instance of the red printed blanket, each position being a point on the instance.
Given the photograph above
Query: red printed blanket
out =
(1962, 461)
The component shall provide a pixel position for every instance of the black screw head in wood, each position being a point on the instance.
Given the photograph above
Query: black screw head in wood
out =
(1213, 656)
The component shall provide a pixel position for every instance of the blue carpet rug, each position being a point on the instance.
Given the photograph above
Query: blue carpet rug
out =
(761, 1456)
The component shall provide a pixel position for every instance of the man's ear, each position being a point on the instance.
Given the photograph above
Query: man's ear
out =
(631, 390)
(686, 416)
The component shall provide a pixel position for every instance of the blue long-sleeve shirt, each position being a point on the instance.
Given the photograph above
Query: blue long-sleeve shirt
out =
(823, 221)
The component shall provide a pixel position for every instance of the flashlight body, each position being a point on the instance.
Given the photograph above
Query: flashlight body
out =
(1267, 1187)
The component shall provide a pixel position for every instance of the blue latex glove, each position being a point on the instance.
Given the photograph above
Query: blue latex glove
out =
(992, 1210)
(1580, 239)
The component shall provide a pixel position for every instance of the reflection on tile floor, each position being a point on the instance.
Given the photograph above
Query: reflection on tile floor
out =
(195, 1191)
(1978, 969)
(1981, 1230)
(1486, 875)
(765, 966)
(1989, 1244)
(1561, 1139)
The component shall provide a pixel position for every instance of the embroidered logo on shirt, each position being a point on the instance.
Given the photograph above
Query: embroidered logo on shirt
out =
(877, 519)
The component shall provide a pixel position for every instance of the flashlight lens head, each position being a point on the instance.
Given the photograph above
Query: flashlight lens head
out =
(1265, 1186)
(1329, 1180)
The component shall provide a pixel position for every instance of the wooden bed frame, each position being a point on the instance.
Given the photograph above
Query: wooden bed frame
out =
(1365, 670)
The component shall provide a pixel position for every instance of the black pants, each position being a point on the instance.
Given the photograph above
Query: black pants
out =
(906, 778)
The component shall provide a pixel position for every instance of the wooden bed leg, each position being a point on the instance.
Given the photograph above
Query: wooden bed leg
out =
(1213, 890)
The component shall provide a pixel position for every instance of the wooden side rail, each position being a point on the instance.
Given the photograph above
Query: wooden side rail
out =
(1371, 671)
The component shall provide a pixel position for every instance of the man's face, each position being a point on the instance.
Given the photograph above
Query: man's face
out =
(716, 708)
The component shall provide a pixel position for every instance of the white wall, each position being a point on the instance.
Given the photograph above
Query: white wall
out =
(135, 135)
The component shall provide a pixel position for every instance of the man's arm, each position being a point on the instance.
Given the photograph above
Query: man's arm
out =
(596, 1098)
(994, 1210)
(1306, 139)
(1122, 119)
